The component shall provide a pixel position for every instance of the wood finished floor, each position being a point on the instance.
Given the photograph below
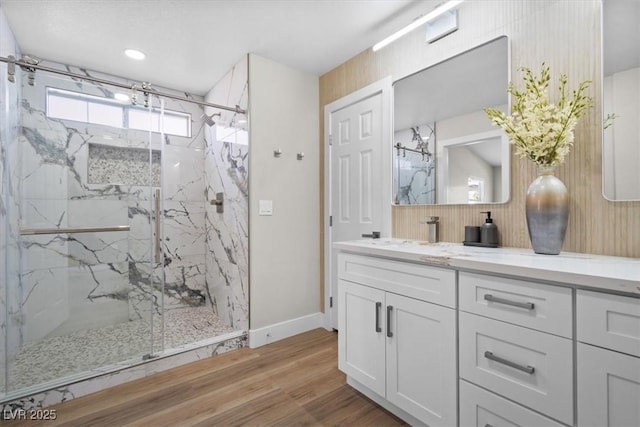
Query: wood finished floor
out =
(291, 382)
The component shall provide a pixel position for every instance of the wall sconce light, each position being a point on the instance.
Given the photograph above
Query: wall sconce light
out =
(300, 156)
(277, 152)
(442, 26)
(438, 11)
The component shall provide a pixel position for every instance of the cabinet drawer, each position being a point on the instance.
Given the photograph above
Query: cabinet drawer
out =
(532, 305)
(608, 388)
(490, 350)
(610, 321)
(432, 284)
(481, 408)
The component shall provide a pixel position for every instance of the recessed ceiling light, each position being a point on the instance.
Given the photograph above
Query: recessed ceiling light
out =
(121, 97)
(135, 54)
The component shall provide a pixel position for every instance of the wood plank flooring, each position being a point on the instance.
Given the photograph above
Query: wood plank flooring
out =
(291, 382)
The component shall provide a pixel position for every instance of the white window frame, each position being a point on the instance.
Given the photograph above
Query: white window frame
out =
(126, 110)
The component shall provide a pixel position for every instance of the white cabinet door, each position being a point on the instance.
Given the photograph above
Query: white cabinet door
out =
(421, 359)
(361, 338)
(609, 321)
(608, 388)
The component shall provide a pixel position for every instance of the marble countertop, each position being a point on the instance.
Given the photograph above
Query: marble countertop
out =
(605, 273)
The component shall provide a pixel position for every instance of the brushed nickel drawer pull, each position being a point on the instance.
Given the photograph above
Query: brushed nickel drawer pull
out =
(378, 307)
(491, 298)
(528, 369)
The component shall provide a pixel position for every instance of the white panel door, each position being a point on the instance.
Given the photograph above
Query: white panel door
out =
(421, 359)
(361, 342)
(608, 388)
(356, 175)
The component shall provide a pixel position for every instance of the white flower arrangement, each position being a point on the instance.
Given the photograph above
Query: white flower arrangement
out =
(540, 130)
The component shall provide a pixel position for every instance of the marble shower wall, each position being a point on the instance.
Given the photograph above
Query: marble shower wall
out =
(413, 179)
(10, 94)
(226, 170)
(97, 279)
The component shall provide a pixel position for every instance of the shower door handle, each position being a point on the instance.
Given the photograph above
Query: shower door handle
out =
(39, 231)
(157, 226)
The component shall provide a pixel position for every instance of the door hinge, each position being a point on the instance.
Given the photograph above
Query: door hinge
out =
(330, 220)
(330, 302)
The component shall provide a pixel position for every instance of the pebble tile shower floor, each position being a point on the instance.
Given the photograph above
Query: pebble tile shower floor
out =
(60, 356)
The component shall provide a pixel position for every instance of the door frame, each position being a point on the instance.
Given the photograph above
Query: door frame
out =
(385, 88)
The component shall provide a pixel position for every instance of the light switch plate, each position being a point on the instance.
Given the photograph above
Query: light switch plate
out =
(265, 207)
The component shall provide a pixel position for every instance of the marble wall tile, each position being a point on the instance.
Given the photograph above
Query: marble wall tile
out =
(10, 95)
(226, 171)
(45, 302)
(104, 213)
(228, 285)
(185, 284)
(183, 174)
(183, 229)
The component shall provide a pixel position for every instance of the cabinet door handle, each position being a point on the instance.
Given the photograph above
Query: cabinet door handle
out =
(389, 310)
(491, 298)
(528, 369)
(378, 307)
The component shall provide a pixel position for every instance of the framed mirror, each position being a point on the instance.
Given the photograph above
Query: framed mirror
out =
(446, 151)
(621, 100)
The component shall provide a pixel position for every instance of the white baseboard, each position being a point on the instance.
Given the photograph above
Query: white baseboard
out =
(286, 329)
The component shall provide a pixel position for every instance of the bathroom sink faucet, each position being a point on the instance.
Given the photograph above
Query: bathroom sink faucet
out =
(432, 232)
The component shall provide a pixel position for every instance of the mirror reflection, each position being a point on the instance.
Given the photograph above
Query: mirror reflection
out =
(446, 151)
(621, 100)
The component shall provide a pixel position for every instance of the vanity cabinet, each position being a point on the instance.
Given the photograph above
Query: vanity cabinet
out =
(400, 347)
(608, 357)
(428, 331)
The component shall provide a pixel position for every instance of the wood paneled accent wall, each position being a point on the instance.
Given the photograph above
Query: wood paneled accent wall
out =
(565, 34)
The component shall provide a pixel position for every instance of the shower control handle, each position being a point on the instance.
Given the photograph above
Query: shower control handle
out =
(218, 202)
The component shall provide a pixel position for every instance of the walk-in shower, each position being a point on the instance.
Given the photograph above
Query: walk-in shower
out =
(112, 250)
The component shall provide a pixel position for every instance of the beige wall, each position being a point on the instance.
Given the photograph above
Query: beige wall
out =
(283, 248)
(564, 34)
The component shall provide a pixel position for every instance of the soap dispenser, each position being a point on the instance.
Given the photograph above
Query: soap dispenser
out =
(489, 231)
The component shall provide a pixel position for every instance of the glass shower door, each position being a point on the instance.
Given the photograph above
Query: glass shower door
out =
(82, 298)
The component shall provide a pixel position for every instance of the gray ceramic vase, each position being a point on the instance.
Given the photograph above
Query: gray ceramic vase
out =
(547, 207)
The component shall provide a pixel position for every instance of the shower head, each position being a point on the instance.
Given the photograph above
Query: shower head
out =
(209, 119)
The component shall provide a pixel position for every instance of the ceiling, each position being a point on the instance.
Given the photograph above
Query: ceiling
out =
(191, 44)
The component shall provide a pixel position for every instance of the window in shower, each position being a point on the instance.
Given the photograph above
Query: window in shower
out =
(69, 105)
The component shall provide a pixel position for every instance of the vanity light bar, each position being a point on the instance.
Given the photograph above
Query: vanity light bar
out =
(418, 22)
